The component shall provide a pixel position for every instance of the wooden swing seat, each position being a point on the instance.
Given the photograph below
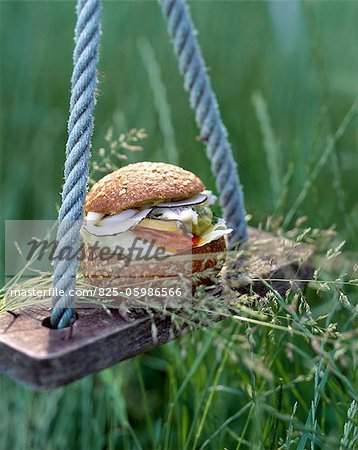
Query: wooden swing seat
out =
(45, 358)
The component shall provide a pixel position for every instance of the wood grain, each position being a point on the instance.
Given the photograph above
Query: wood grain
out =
(45, 358)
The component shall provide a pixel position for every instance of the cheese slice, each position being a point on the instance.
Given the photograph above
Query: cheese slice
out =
(160, 225)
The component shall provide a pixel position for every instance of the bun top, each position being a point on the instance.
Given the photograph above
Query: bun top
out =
(140, 184)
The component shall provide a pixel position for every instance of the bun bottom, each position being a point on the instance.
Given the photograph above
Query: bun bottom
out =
(208, 258)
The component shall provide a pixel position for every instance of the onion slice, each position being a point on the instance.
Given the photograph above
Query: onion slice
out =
(184, 214)
(122, 216)
(94, 217)
(117, 223)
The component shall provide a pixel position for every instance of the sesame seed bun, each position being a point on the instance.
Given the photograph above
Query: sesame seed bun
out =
(140, 184)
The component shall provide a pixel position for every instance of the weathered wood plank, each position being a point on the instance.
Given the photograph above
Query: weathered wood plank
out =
(45, 358)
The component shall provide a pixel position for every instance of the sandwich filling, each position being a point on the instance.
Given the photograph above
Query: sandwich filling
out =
(174, 226)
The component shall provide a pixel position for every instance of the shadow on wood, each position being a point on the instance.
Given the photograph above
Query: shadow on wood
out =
(46, 358)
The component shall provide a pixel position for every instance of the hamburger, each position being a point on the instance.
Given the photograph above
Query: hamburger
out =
(161, 208)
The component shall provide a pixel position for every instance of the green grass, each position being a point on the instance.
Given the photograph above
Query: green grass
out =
(285, 75)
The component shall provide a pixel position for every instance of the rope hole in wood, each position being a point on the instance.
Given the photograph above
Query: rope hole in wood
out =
(46, 322)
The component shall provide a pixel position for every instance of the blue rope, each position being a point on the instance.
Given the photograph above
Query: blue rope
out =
(80, 128)
(208, 119)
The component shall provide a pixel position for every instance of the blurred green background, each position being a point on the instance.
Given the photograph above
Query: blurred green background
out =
(301, 57)
(285, 74)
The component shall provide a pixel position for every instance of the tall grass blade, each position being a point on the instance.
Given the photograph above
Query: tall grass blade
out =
(160, 99)
(269, 143)
(330, 146)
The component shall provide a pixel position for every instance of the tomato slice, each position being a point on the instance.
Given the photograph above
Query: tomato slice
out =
(195, 241)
